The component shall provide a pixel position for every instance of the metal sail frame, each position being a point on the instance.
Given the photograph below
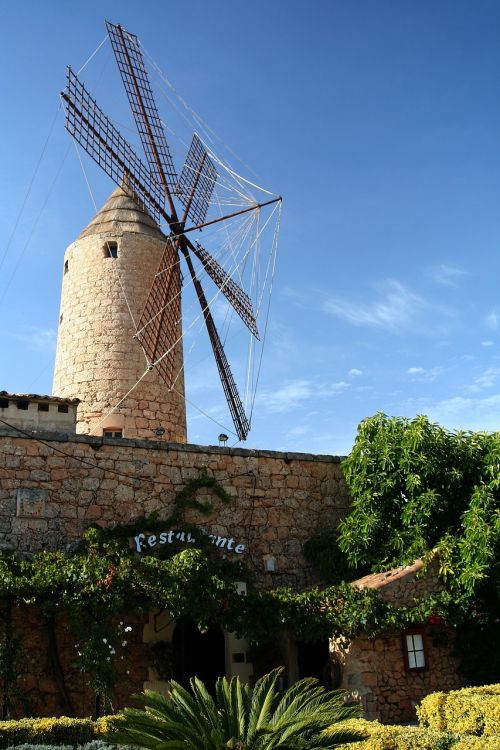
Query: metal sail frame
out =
(89, 126)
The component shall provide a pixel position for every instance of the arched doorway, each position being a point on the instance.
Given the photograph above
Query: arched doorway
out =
(198, 654)
(314, 660)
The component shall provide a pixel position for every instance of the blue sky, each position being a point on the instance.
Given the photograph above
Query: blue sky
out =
(379, 123)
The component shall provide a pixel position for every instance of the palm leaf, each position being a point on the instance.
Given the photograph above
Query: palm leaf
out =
(263, 700)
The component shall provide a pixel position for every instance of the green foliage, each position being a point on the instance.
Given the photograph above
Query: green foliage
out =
(92, 745)
(468, 711)
(477, 743)
(238, 718)
(417, 487)
(61, 731)
(380, 737)
(332, 564)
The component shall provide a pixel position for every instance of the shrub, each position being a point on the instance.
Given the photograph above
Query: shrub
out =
(380, 737)
(473, 711)
(94, 745)
(477, 743)
(62, 731)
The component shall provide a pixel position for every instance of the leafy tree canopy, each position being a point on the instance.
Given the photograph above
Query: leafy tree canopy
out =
(417, 486)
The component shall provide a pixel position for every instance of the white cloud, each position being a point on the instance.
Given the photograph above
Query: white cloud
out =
(486, 380)
(38, 339)
(355, 372)
(423, 374)
(447, 275)
(396, 308)
(299, 431)
(491, 320)
(486, 343)
(297, 392)
(467, 413)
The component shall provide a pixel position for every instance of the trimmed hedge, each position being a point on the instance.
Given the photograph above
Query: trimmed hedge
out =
(474, 711)
(477, 743)
(60, 731)
(94, 745)
(386, 737)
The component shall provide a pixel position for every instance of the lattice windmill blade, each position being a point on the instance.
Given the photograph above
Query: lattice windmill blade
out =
(234, 294)
(196, 182)
(90, 127)
(236, 408)
(136, 82)
(159, 330)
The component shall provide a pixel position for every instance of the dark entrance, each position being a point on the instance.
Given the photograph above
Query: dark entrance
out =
(314, 661)
(198, 654)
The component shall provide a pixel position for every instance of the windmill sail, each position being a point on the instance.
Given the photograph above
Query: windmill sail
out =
(159, 330)
(234, 294)
(236, 408)
(135, 79)
(196, 182)
(90, 127)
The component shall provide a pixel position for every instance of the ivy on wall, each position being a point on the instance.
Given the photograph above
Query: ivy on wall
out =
(103, 578)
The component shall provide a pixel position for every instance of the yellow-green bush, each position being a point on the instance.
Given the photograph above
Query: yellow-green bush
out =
(60, 731)
(477, 743)
(473, 711)
(381, 737)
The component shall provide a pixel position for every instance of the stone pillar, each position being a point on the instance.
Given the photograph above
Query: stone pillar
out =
(108, 273)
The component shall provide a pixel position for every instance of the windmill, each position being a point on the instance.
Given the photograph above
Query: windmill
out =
(182, 201)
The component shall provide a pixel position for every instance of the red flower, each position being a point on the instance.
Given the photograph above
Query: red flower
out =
(436, 619)
(108, 580)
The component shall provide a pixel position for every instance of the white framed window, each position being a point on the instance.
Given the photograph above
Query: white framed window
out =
(414, 650)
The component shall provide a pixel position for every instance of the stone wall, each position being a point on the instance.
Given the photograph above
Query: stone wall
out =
(37, 690)
(53, 487)
(374, 671)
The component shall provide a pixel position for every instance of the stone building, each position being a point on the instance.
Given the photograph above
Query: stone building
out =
(92, 454)
(57, 483)
(390, 674)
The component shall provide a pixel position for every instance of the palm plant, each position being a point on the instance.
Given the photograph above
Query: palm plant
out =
(239, 718)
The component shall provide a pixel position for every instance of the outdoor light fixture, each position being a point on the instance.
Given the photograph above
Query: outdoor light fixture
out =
(223, 439)
(159, 431)
(270, 564)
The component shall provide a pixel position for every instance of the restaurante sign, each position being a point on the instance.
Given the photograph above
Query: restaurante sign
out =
(145, 542)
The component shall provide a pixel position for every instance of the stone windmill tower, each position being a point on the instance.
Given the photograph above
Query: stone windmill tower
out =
(108, 274)
(120, 331)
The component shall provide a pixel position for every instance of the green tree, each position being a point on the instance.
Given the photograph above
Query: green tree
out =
(239, 718)
(417, 487)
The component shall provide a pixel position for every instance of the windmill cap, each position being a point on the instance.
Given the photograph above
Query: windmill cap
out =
(121, 213)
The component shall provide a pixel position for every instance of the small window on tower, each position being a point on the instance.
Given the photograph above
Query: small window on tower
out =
(110, 250)
(66, 267)
(414, 650)
(112, 433)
